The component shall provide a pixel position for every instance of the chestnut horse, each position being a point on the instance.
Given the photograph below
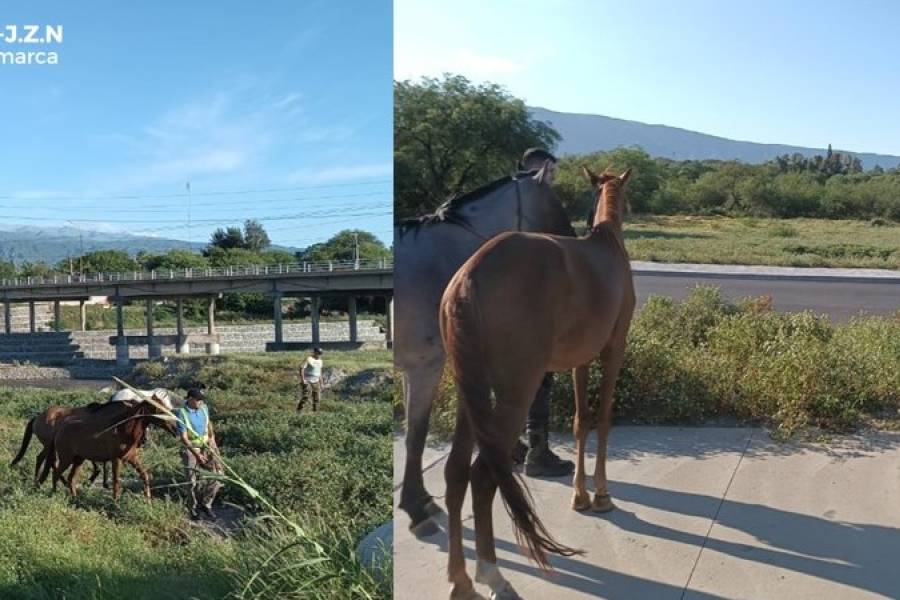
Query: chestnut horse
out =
(111, 433)
(44, 427)
(525, 304)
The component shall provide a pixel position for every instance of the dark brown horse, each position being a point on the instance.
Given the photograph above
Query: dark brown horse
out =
(525, 304)
(111, 433)
(44, 427)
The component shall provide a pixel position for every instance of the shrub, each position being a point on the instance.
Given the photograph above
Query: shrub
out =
(706, 357)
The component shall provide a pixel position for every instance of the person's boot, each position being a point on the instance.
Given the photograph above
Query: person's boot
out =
(540, 460)
(519, 453)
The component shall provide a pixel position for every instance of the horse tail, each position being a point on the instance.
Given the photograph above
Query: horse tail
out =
(465, 345)
(26, 439)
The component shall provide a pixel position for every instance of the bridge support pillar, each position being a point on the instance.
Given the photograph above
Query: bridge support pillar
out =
(182, 345)
(154, 350)
(57, 319)
(315, 307)
(32, 326)
(389, 330)
(351, 313)
(121, 341)
(212, 347)
(7, 316)
(276, 308)
(82, 310)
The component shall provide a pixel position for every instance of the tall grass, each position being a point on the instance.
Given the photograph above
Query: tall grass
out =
(710, 359)
(310, 487)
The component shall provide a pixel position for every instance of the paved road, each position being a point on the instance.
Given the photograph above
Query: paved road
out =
(703, 513)
(841, 294)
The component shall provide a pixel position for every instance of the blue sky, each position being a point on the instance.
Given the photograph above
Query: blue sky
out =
(291, 96)
(806, 72)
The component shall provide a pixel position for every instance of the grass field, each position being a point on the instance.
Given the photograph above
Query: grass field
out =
(752, 241)
(329, 473)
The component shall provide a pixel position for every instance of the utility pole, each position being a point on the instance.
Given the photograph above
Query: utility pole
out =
(188, 186)
(81, 258)
(356, 240)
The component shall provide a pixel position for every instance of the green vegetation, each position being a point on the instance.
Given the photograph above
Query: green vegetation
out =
(451, 136)
(757, 241)
(329, 473)
(227, 247)
(829, 187)
(708, 359)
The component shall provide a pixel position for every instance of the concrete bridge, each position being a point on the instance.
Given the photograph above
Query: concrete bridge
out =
(315, 281)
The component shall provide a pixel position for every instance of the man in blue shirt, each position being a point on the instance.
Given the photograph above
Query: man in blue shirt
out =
(197, 435)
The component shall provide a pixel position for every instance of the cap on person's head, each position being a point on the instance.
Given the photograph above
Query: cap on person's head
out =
(196, 394)
(537, 155)
(317, 350)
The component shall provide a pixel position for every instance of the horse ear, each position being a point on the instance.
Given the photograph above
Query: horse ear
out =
(591, 178)
(624, 176)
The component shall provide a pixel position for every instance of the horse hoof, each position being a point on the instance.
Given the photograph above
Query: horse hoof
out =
(425, 528)
(507, 593)
(602, 503)
(433, 509)
(581, 502)
(465, 591)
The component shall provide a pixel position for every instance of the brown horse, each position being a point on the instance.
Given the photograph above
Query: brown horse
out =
(44, 427)
(525, 304)
(111, 433)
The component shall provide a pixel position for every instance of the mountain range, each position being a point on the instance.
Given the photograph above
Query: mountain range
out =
(53, 244)
(582, 133)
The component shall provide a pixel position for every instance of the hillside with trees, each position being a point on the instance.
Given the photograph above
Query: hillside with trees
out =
(452, 136)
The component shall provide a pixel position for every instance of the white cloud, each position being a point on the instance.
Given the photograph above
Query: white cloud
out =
(209, 136)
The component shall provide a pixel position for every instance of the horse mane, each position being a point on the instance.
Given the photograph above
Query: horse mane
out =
(450, 211)
(93, 407)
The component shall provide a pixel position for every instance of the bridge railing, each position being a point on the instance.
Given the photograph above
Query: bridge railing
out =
(201, 273)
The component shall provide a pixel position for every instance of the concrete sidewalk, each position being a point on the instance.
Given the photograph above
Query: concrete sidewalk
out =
(703, 513)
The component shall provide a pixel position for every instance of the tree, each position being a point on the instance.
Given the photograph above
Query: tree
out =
(342, 247)
(232, 237)
(176, 258)
(100, 261)
(37, 269)
(578, 197)
(451, 136)
(255, 236)
(7, 269)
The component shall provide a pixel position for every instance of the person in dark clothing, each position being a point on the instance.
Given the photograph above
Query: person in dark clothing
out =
(540, 461)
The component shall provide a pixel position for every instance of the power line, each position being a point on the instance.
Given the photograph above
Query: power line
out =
(209, 193)
(218, 204)
(283, 217)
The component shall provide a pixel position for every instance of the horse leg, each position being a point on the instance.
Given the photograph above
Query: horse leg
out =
(106, 475)
(117, 467)
(510, 416)
(95, 472)
(57, 463)
(420, 387)
(581, 500)
(456, 474)
(38, 463)
(73, 474)
(145, 477)
(612, 362)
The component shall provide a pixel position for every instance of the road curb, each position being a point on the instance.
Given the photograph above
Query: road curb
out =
(765, 273)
